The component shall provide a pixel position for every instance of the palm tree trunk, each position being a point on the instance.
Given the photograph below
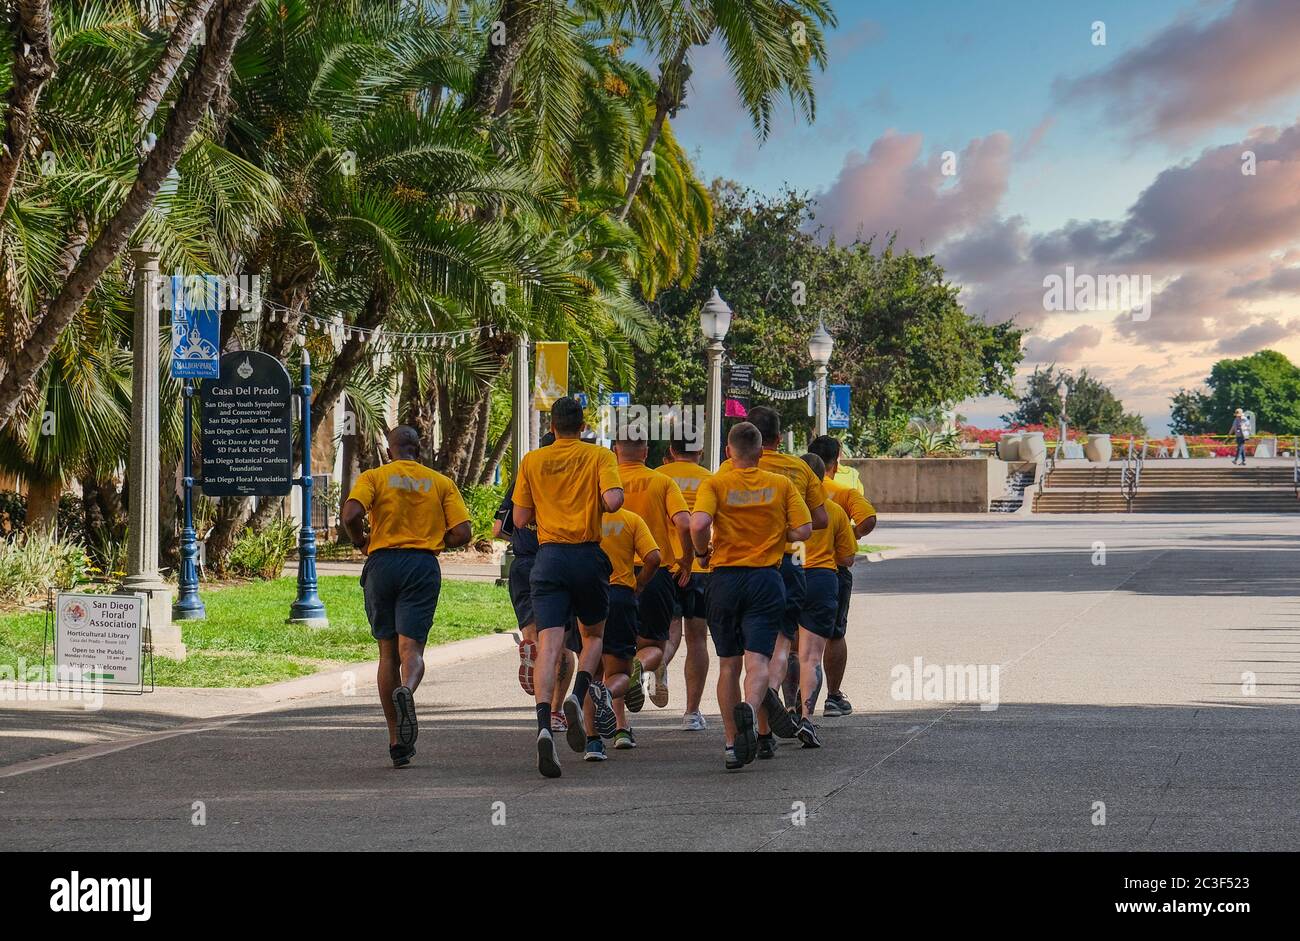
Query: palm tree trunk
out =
(178, 45)
(498, 452)
(32, 68)
(478, 450)
(668, 98)
(499, 61)
(213, 63)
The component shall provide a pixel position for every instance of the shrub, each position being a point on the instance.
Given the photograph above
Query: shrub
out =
(31, 563)
(262, 555)
(482, 503)
(13, 512)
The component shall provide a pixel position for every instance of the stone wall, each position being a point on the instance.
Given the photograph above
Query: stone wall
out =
(932, 484)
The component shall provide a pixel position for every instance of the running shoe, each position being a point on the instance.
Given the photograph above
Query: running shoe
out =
(623, 739)
(634, 698)
(767, 746)
(548, 763)
(732, 762)
(606, 721)
(595, 750)
(407, 727)
(808, 734)
(694, 722)
(837, 705)
(574, 734)
(777, 717)
(660, 695)
(401, 755)
(558, 722)
(527, 662)
(746, 737)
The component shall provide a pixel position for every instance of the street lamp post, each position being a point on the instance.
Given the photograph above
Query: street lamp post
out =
(1064, 392)
(715, 321)
(820, 347)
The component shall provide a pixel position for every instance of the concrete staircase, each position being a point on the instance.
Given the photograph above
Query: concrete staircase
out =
(1176, 487)
(1014, 499)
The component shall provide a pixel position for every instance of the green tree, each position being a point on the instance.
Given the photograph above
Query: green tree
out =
(1188, 413)
(1091, 406)
(1266, 383)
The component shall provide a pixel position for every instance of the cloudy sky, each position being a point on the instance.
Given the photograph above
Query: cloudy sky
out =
(1170, 152)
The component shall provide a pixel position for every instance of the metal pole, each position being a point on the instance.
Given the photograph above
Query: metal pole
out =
(820, 373)
(713, 410)
(520, 422)
(189, 606)
(308, 609)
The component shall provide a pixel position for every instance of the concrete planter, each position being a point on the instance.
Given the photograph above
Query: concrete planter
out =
(1033, 447)
(932, 484)
(1098, 449)
(1009, 447)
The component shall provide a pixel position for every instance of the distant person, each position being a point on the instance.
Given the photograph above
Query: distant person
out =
(415, 513)
(1241, 431)
(567, 488)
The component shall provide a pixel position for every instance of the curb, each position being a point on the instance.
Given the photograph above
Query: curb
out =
(901, 552)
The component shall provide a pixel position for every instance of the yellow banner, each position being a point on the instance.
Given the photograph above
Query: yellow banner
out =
(551, 374)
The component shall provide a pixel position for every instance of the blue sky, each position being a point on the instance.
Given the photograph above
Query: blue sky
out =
(1057, 135)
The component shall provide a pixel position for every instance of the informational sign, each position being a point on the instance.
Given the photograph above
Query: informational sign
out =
(196, 326)
(740, 381)
(551, 372)
(620, 399)
(581, 397)
(99, 639)
(247, 427)
(837, 407)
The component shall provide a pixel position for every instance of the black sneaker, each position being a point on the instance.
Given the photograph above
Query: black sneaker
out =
(766, 746)
(808, 735)
(782, 725)
(732, 762)
(837, 705)
(606, 721)
(576, 734)
(746, 736)
(401, 755)
(547, 761)
(407, 727)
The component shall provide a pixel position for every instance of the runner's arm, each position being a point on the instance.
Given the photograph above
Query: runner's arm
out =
(682, 520)
(458, 535)
(819, 519)
(522, 515)
(701, 532)
(613, 499)
(866, 526)
(801, 533)
(353, 519)
(649, 565)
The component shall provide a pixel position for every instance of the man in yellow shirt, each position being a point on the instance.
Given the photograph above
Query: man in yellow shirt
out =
(567, 488)
(810, 490)
(825, 551)
(684, 467)
(744, 517)
(415, 513)
(625, 539)
(863, 516)
(655, 498)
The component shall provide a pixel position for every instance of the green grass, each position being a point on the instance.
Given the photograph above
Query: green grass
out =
(245, 642)
(864, 548)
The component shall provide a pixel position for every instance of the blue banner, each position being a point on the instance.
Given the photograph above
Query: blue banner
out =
(837, 407)
(195, 304)
(620, 399)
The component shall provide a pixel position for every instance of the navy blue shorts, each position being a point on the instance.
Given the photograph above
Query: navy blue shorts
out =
(792, 578)
(570, 579)
(521, 593)
(745, 609)
(654, 606)
(690, 600)
(821, 602)
(621, 625)
(401, 588)
(845, 577)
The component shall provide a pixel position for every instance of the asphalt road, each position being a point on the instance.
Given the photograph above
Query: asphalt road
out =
(1162, 684)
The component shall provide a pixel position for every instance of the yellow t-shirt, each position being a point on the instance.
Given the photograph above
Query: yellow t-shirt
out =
(751, 510)
(688, 475)
(410, 506)
(563, 484)
(625, 539)
(825, 547)
(800, 474)
(850, 501)
(656, 498)
(848, 476)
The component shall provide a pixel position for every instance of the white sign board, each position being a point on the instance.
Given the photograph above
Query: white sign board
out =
(99, 638)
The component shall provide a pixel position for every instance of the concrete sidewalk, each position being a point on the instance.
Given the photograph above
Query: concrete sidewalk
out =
(1162, 684)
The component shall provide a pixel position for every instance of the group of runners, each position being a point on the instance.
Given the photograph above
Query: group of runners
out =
(617, 567)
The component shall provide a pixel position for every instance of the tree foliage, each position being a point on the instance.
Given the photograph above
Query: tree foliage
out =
(1090, 405)
(1266, 383)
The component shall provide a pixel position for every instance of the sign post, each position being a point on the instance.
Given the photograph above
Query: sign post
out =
(196, 337)
(307, 609)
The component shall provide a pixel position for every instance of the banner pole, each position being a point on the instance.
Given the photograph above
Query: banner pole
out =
(189, 606)
(307, 609)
